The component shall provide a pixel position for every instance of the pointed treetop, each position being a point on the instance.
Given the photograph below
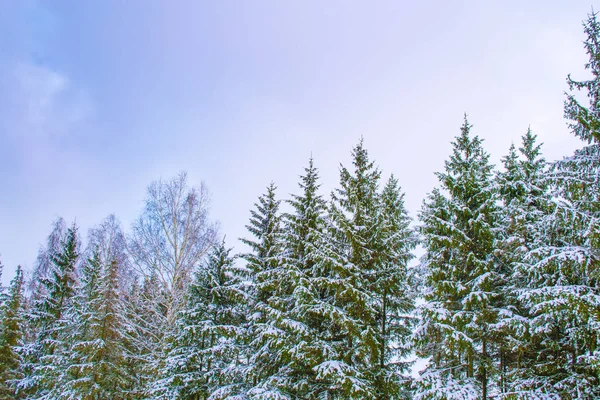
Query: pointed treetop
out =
(360, 155)
(264, 222)
(465, 145)
(392, 181)
(511, 160)
(364, 168)
(468, 152)
(585, 121)
(466, 125)
(271, 189)
(392, 187)
(509, 179)
(16, 284)
(465, 130)
(392, 196)
(311, 175)
(530, 148)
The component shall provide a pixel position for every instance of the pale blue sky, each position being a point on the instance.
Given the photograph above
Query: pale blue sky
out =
(99, 98)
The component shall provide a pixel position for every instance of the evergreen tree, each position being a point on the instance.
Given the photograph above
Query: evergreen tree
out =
(11, 336)
(526, 200)
(52, 319)
(303, 225)
(345, 269)
(392, 290)
(268, 359)
(302, 322)
(204, 358)
(360, 277)
(144, 343)
(138, 337)
(584, 121)
(464, 284)
(95, 366)
(565, 276)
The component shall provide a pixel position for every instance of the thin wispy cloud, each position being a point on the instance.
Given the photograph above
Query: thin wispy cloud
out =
(46, 108)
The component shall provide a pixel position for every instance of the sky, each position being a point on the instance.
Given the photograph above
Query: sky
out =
(100, 98)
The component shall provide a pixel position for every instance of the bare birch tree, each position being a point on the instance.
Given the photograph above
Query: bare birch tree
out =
(108, 241)
(171, 236)
(42, 263)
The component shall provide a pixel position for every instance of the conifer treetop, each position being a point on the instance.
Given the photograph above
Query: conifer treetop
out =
(585, 120)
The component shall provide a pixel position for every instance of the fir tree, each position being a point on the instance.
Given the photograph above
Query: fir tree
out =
(464, 295)
(45, 356)
(360, 277)
(302, 322)
(204, 358)
(584, 121)
(268, 359)
(303, 225)
(145, 345)
(564, 302)
(395, 296)
(344, 269)
(96, 358)
(526, 199)
(11, 336)
(138, 337)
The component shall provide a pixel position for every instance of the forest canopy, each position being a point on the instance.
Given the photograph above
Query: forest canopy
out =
(329, 301)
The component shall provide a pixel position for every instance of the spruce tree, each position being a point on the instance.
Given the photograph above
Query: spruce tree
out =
(584, 120)
(11, 336)
(145, 344)
(306, 221)
(524, 190)
(360, 276)
(566, 277)
(45, 357)
(139, 337)
(393, 291)
(268, 341)
(204, 357)
(345, 269)
(96, 354)
(303, 228)
(464, 284)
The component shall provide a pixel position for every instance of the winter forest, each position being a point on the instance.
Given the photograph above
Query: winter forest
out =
(330, 301)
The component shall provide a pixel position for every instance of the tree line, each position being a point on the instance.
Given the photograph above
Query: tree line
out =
(327, 303)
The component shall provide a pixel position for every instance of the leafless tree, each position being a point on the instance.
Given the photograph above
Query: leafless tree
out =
(109, 241)
(42, 263)
(171, 236)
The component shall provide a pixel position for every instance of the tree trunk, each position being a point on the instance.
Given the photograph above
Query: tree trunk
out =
(484, 380)
(383, 328)
(470, 363)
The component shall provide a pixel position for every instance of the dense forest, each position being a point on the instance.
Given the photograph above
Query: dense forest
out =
(329, 302)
